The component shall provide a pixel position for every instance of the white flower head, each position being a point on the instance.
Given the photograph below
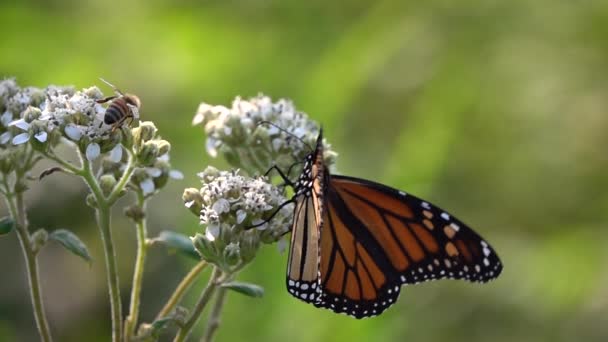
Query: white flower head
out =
(236, 209)
(257, 133)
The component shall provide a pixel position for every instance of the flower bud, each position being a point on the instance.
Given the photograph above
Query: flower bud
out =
(232, 254)
(127, 137)
(163, 147)
(39, 239)
(93, 92)
(31, 114)
(107, 184)
(6, 162)
(145, 132)
(205, 248)
(249, 243)
(135, 213)
(193, 200)
(148, 153)
(91, 201)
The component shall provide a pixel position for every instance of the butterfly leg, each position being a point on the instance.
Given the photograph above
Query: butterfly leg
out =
(272, 215)
(285, 179)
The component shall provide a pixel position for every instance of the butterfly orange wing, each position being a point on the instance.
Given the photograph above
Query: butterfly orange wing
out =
(375, 238)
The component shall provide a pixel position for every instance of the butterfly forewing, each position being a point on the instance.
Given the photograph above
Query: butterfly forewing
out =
(303, 267)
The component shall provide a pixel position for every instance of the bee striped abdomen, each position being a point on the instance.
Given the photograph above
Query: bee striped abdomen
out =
(116, 111)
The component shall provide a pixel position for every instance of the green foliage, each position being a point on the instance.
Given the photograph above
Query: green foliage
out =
(6, 225)
(72, 243)
(247, 289)
(178, 242)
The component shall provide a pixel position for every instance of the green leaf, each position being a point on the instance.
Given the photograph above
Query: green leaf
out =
(157, 326)
(247, 289)
(72, 243)
(6, 225)
(178, 242)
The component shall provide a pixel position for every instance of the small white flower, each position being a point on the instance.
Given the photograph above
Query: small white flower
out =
(147, 186)
(116, 154)
(93, 151)
(21, 138)
(73, 132)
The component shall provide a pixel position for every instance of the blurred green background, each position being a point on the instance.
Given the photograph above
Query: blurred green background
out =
(494, 110)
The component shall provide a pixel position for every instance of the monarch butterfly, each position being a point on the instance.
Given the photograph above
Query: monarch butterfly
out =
(355, 242)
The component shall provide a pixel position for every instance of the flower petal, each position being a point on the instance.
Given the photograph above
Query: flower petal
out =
(176, 174)
(221, 206)
(41, 136)
(73, 132)
(21, 138)
(212, 147)
(212, 231)
(93, 151)
(147, 186)
(6, 118)
(154, 172)
(116, 154)
(262, 224)
(240, 216)
(20, 124)
(5, 137)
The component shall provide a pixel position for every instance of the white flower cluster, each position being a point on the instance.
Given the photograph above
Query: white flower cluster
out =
(229, 205)
(151, 154)
(244, 137)
(49, 114)
(44, 118)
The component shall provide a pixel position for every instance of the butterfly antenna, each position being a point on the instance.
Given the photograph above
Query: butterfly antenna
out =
(285, 131)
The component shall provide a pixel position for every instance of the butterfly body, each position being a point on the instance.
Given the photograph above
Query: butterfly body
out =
(355, 242)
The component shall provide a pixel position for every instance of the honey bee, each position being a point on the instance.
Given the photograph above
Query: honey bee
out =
(123, 107)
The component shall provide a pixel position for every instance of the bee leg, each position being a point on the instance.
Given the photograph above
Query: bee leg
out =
(104, 100)
(118, 123)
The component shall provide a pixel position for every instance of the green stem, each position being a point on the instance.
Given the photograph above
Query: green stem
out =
(138, 272)
(185, 330)
(181, 289)
(213, 322)
(18, 213)
(104, 223)
(122, 182)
